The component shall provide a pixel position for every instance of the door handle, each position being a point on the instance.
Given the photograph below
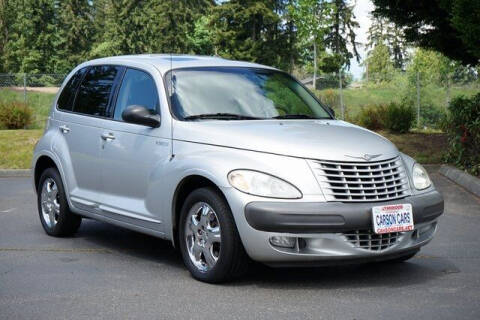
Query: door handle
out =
(108, 136)
(64, 129)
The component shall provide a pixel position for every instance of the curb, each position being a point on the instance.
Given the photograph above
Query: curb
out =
(11, 173)
(469, 182)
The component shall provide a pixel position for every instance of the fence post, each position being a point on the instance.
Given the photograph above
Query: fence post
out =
(418, 99)
(341, 94)
(25, 88)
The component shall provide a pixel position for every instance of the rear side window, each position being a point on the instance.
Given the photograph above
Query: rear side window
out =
(138, 88)
(96, 90)
(65, 101)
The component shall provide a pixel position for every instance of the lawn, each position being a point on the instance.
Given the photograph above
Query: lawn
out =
(16, 148)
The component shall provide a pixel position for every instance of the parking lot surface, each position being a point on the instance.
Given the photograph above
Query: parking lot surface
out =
(105, 272)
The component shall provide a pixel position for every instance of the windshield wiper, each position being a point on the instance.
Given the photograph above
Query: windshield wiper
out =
(295, 116)
(220, 116)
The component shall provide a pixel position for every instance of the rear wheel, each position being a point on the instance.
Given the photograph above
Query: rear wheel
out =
(55, 215)
(209, 242)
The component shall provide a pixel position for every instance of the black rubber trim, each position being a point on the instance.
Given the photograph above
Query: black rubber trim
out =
(311, 217)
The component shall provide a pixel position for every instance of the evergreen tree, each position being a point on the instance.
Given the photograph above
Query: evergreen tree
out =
(75, 33)
(252, 31)
(389, 34)
(341, 33)
(30, 41)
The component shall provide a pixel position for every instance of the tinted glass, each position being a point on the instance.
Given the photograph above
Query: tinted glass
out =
(138, 88)
(249, 92)
(65, 101)
(94, 93)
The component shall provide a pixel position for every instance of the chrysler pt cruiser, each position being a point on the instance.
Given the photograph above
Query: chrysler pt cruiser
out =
(232, 162)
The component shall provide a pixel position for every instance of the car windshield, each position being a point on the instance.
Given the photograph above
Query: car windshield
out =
(239, 94)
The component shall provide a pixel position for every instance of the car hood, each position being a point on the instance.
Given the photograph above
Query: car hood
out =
(312, 139)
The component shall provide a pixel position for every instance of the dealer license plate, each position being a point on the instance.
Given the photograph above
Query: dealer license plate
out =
(392, 218)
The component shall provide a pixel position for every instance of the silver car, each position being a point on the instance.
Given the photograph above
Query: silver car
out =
(232, 162)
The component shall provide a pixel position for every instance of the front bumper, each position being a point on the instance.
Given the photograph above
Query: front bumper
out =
(320, 229)
(308, 217)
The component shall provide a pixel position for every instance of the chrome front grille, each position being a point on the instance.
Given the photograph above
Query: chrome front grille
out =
(368, 240)
(361, 181)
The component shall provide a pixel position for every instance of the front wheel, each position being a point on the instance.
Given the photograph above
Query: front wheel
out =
(55, 215)
(209, 242)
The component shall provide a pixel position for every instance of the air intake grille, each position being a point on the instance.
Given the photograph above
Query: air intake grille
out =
(367, 240)
(361, 182)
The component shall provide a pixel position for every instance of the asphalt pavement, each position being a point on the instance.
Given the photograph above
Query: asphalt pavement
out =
(106, 272)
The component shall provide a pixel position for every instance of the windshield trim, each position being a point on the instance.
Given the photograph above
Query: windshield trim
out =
(165, 87)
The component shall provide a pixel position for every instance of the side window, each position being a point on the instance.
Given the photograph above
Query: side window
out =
(138, 88)
(65, 101)
(95, 91)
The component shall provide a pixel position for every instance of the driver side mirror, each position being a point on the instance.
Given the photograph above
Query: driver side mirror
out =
(141, 115)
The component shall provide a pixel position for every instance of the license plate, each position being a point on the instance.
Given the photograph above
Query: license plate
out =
(392, 218)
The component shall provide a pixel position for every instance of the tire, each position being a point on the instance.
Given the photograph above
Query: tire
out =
(231, 259)
(55, 206)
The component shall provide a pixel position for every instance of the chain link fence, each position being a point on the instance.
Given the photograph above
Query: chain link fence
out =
(37, 91)
(429, 96)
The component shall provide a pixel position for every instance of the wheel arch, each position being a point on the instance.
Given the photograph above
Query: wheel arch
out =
(183, 189)
(41, 164)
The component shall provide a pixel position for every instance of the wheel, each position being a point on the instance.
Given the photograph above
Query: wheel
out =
(209, 242)
(55, 215)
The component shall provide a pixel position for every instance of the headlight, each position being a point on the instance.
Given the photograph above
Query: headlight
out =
(262, 184)
(420, 177)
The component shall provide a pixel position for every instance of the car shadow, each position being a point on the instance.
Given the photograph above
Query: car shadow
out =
(420, 269)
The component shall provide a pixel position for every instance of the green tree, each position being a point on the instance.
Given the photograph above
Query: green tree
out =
(144, 26)
(383, 31)
(450, 27)
(75, 33)
(379, 64)
(201, 38)
(341, 33)
(252, 31)
(29, 45)
(311, 18)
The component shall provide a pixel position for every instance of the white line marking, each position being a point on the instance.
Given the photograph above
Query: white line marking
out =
(8, 210)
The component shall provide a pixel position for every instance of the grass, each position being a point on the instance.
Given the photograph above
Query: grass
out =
(16, 148)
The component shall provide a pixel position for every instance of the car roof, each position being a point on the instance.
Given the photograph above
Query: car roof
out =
(166, 62)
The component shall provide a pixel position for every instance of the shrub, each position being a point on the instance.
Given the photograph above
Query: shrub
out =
(372, 117)
(431, 116)
(399, 117)
(15, 115)
(463, 132)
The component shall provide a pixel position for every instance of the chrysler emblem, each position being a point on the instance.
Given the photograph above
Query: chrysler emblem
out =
(366, 156)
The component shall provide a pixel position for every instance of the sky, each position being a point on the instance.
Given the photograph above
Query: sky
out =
(362, 11)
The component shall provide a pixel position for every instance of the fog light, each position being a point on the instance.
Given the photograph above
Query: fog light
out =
(285, 242)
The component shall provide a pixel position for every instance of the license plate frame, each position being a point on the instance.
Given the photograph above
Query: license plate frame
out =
(392, 218)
